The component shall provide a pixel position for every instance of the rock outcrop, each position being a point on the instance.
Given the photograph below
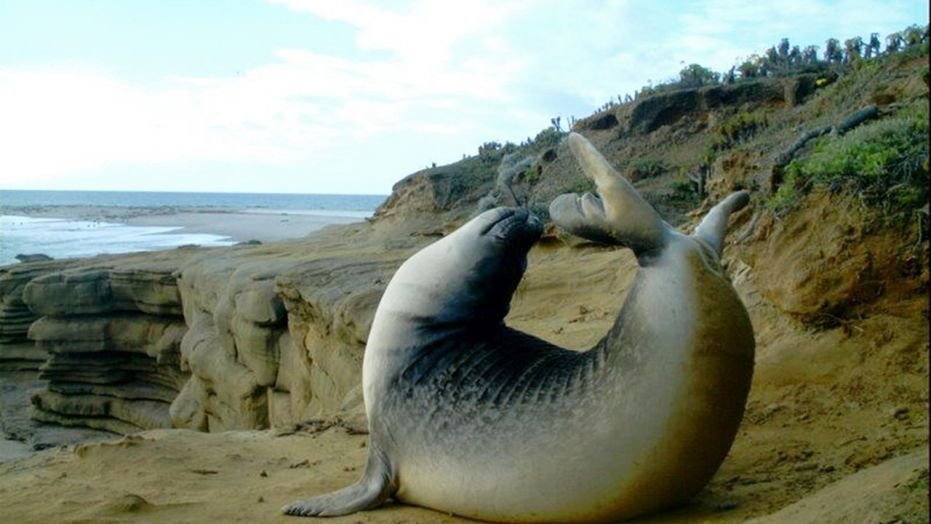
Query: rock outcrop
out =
(244, 338)
(442, 195)
(17, 352)
(276, 336)
(112, 334)
(237, 328)
(668, 107)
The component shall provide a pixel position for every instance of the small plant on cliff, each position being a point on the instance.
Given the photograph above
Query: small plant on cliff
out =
(533, 173)
(684, 190)
(740, 127)
(732, 131)
(884, 163)
(493, 152)
(647, 167)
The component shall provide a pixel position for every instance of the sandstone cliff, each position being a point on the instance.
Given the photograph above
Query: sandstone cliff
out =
(241, 338)
(112, 330)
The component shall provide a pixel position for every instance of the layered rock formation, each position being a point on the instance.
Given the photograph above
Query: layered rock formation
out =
(242, 338)
(236, 332)
(112, 335)
(277, 334)
(17, 352)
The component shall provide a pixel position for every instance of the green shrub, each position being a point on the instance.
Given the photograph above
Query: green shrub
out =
(740, 127)
(732, 131)
(683, 189)
(787, 196)
(648, 167)
(549, 137)
(532, 175)
(884, 163)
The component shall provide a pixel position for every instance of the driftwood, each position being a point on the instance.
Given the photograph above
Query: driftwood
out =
(858, 117)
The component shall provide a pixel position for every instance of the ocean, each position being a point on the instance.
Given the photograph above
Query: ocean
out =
(56, 223)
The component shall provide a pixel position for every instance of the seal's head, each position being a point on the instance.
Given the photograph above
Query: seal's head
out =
(470, 275)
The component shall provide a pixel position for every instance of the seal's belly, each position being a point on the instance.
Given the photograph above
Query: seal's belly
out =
(537, 492)
(605, 447)
(558, 461)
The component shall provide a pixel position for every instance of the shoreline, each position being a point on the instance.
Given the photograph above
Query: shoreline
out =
(155, 228)
(238, 224)
(241, 226)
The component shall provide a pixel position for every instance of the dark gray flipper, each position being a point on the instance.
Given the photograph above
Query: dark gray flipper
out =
(376, 485)
(714, 226)
(620, 216)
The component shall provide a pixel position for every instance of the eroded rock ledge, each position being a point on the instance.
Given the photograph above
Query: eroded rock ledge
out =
(112, 335)
(17, 352)
(247, 337)
(276, 336)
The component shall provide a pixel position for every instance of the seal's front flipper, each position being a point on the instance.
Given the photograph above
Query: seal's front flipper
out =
(582, 216)
(714, 226)
(375, 486)
(620, 216)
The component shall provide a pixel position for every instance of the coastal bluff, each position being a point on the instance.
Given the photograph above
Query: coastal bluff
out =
(248, 337)
(252, 353)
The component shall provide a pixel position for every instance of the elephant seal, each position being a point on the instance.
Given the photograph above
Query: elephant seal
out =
(471, 417)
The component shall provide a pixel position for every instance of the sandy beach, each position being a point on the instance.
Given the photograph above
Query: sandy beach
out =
(242, 227)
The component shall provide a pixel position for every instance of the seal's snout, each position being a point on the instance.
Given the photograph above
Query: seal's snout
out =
(493, 218)
(511, 225)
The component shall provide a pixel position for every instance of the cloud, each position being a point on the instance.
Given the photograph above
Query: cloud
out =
(78, 120)
(60, 121)
(442, 76)
(423, 34)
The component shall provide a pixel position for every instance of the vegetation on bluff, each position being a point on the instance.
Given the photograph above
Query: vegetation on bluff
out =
(783, 123)
(883, 163)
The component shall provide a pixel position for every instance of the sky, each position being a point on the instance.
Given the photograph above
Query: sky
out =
(348, 96)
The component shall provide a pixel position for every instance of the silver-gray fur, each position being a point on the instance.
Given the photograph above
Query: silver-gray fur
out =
(471, 417)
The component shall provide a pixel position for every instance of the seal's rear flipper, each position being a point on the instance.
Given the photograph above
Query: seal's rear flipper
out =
(620, 216)
(375, 486)
(714, 226)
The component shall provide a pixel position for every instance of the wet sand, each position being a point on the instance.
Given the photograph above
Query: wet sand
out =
(242, 227)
